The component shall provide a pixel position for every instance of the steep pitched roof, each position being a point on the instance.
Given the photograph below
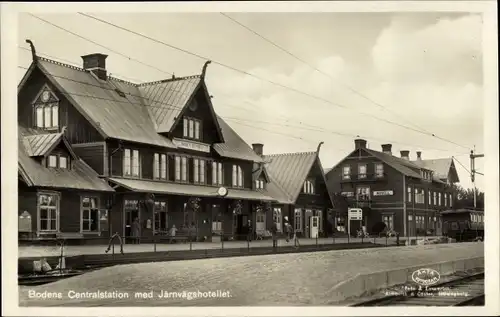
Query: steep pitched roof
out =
(234, 146)
(80, 176)
(135, 112)
(167, 99)
(405, 167)
(441, 167)
(289, 171)
(40, 144)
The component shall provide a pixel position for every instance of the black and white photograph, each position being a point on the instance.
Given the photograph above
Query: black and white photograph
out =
(230, 157)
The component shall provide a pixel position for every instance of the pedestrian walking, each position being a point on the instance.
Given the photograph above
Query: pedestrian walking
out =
(274, 233)
(288, 230)
(192, 232)
(136, 231)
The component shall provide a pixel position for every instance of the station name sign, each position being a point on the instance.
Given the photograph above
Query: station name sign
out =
(355, 214)
(191, 145)
(383, 193)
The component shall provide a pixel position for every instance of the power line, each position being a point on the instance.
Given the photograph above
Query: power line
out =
(315, 68)
(154, 67)
(465, 168)
(169, 105)
(258, 77)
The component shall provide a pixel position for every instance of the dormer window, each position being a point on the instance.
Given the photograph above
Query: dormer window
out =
(46, 110)
(131, 163)
(259, 184)
(57, 161)
(191, 128)
(308, 187)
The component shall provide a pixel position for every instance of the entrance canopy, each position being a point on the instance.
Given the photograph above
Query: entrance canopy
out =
(144, 186)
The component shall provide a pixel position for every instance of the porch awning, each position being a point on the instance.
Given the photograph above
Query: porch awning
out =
(144, 186)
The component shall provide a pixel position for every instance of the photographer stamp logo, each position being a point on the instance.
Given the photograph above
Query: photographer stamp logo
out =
(426, 277)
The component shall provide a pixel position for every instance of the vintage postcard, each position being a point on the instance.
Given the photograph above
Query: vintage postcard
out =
(258, 158)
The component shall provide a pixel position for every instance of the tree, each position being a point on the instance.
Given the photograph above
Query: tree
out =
(464, 198)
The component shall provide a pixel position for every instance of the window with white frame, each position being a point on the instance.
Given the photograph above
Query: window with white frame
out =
(363, 193)
(419, 196)
(451, 200)
(435, 198)
(362, 171)
(429, 195)
(131, 163)
(389, 221)
(90, 214)
(409, 194)
(277, 217)
(297, 220)
(439, 199)
(237, 180)
(46, 110)
(48, 212)
(308, 187)
(259, 184)
(260, 221)
(346, 172)
(379, 170)
(191, 128)
(57, 161)
(217, 174)
(199, 171)
(160, 166)
(181, 169)
(445, 199)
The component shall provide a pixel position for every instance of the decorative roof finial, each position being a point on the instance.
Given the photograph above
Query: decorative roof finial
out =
(204, 70)
(33, 50)
(319, 146)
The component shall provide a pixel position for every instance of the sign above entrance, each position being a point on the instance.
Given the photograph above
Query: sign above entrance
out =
(355, 213)
(383, 193)
(222, 191)
(347, 194)
(191, 145)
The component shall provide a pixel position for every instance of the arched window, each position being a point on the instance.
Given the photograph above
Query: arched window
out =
(46, 110)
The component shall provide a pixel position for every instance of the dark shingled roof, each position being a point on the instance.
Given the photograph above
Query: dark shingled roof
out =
(80, 176)
(135, 112)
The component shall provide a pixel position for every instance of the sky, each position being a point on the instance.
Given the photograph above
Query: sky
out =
(414, 71)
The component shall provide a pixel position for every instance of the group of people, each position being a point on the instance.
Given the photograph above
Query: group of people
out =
(290, 233)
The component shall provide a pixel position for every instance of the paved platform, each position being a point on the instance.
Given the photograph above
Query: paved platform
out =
(40, 251)
(284, 279)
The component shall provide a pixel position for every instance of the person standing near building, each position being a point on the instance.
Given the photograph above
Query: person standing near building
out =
(274, 233)
(288, 229)
(136, 231)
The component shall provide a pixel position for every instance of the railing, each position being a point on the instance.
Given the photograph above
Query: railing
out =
(239, 243)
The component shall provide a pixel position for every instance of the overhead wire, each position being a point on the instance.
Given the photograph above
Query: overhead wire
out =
(126, 56)
(258, 77)
(171, 106)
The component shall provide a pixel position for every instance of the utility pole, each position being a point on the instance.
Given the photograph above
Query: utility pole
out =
(473, 171)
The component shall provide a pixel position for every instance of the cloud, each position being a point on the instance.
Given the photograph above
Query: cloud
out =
(426, 75)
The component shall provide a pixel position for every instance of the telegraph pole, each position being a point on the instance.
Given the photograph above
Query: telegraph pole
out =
(473, 171)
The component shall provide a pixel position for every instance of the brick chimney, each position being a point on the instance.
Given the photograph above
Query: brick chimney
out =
(419, 155)
(258, 148)
(405, 155)
(387, 148)
(360, 144)
(96, 63)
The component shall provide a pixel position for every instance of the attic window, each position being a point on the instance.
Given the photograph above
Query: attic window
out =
(120, 93)
(58, 161)
(46, 111)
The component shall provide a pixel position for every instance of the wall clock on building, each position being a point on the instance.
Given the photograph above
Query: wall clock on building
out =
(193, 105)
(222, 191)
(45, 96)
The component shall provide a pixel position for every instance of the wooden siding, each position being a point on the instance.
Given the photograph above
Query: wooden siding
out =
(208, 127)
(79, 130)
(92, 154)
(146, 154)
